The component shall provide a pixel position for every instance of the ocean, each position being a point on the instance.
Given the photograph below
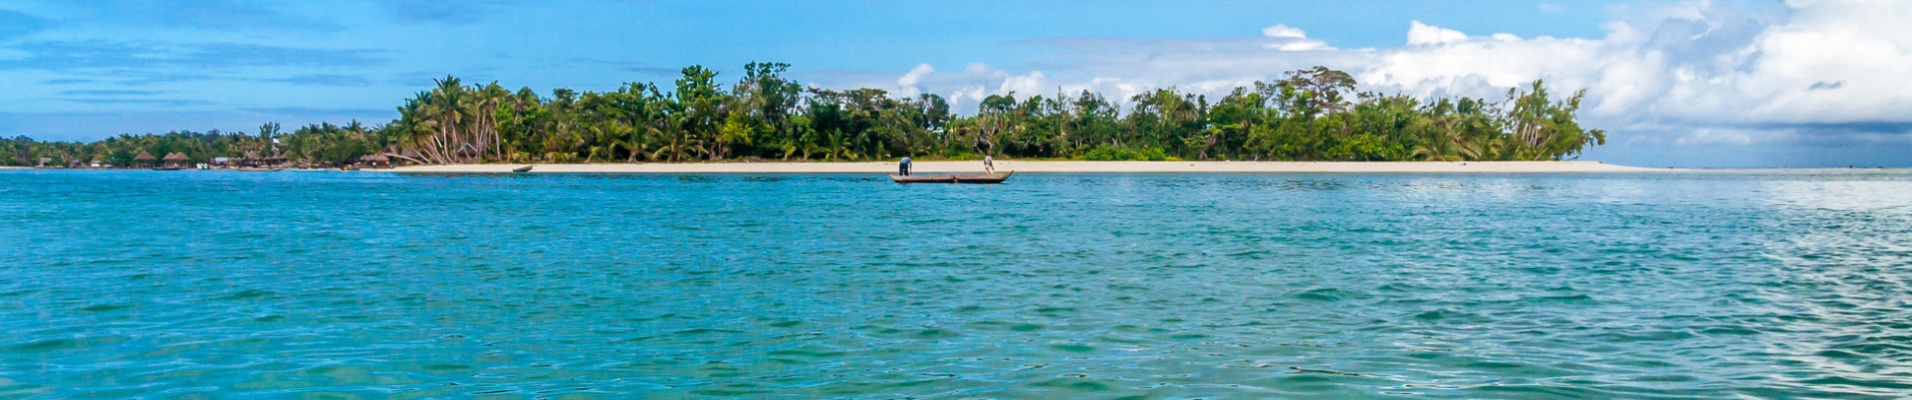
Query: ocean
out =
(1772, 284)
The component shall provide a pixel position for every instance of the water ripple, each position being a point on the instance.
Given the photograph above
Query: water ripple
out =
(130, 284)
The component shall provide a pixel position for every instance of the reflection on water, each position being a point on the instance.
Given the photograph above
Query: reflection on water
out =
(1883, 195)
(1710, 285)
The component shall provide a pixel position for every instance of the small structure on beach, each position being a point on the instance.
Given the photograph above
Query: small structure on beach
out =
(175, 158)
(376, 161)
(254, 160)
(144, 158)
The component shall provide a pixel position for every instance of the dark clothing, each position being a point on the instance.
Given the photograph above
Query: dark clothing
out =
(903, 168)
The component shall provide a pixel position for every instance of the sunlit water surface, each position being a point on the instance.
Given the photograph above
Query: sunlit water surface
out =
(304, 284)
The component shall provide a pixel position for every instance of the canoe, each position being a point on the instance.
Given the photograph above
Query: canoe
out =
(526, 168)
(971, 178)
(169, 168)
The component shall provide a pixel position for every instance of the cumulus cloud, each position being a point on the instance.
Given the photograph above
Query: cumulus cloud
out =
(1419, 34)
(909, 80)
(1689, 73)
(1283, 31)
(1292, 39)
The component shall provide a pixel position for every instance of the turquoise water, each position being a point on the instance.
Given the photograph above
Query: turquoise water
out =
(305, 284)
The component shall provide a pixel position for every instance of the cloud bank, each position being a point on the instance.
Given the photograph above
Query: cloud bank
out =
(1693, 73)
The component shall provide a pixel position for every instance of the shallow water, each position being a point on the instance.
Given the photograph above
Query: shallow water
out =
(289, 284)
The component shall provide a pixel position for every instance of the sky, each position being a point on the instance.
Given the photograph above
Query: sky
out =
(1673, 82)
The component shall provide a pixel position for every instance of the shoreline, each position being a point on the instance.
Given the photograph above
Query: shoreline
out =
(1041, 167)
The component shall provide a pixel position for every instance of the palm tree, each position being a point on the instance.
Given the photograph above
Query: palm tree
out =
(838, 145)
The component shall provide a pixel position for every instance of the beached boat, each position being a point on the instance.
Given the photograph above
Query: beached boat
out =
(970, 178)
(526, 168)
(167, 168)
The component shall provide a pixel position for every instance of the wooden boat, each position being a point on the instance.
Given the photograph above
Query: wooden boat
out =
(971, 178)
(167, 168)
(526, 168)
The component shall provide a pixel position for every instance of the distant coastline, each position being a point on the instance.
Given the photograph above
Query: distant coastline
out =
(1046, 166)
(1313, 114)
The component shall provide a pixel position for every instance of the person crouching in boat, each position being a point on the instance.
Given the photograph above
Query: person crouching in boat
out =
(903, 168)
(989, 165)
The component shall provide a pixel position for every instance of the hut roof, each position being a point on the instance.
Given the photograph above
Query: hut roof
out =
(144, 156)
(375, 158)
(252, 155)
(177, 156)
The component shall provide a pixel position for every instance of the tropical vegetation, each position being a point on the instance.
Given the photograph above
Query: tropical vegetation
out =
(1313, 114)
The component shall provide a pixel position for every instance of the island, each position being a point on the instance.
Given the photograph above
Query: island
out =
(1312, 116)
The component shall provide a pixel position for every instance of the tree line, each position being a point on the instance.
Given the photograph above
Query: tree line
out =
(1308, 115)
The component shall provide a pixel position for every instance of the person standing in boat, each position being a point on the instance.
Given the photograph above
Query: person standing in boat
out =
(989, 164)
(903, 168)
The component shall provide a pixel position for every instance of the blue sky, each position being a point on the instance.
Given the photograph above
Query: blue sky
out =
(1673, 80)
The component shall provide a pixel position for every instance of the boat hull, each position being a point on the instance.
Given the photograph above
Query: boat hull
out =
(970, 178)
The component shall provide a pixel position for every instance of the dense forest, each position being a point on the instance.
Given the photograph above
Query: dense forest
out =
(1312, 114)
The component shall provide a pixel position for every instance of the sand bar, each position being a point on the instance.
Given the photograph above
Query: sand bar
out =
(1045, 166)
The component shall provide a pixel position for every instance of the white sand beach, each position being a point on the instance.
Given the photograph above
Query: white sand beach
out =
(1047, 166)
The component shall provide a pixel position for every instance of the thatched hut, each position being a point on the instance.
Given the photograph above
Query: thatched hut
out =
(175, 158)
(256, 160)
(376, 161)
(144, 158)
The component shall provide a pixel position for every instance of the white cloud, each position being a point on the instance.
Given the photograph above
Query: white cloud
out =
(1303, 45)
(907, 83)
(1026, 85)
(1292, 39)
(1284, 31)
(1419, 34)
(1686, 73)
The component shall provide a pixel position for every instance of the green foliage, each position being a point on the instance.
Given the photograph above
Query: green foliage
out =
(319, 144)
(1307, 115)
(1112, 153)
